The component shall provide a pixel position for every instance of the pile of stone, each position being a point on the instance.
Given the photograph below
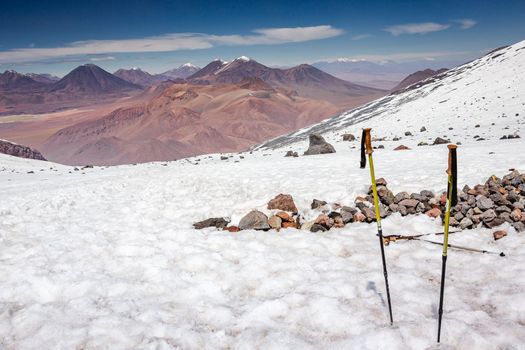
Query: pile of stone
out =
(485, 205)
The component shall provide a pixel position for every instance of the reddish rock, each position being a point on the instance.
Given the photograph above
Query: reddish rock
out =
(283, 202)
(284, 216)
(434, 212)
(516, 214)
(290, 225)
(232, 229)
(359, 217)
(338, 222)
(401, 148)
(499, 234)
(324, 220)
(443, 199)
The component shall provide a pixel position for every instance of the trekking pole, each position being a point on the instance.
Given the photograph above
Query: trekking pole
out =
(469, 249)
(394, 238)
(452, 199)
(366, 147)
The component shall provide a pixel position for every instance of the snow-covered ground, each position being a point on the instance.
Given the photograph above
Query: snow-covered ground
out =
(106, 258)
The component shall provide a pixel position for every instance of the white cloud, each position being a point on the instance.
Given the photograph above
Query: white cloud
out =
(402, 56)
(171, 42)
(416, 28)
(361, 36)
(466, 23)
(102, 58)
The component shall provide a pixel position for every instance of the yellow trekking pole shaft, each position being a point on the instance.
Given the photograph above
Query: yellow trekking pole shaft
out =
(451, 201)
(366, 147)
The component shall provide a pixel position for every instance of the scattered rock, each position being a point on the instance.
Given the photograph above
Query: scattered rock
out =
(275, 222)
(291, 154)
(348, 137)
(409, 203)
(408, 133)
(516, 214)
(316, 203)
(359, 217)
(499, 234)
(465, 223)
(318, 145)
(232, 229)
(484, 203)
(401, 148)
(325, 221)
(283, 202)
(318, 228)
(211, 222)
(254, 220)
(285, 217)
(423, 129)
(434, 212)
(440, 141)
(290, 225)
(381, 181)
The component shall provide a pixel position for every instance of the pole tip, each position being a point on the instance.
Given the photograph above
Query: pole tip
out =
(452, 146)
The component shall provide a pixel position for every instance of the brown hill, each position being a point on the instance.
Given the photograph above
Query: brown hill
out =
(185, 120)
(416, 78)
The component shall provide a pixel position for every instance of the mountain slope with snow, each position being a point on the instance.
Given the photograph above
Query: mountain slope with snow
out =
(486, 92)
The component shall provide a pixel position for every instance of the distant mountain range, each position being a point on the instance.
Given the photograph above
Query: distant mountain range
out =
(135, 116)
(140, 77)
(85, 85)
(304, 80)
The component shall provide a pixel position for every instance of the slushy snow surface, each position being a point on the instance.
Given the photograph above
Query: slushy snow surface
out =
(106, 258)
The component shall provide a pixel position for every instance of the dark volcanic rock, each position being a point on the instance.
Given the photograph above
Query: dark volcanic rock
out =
(318, 145)
(316, 203)
(17, 150)
(211, 222)
(440, 141)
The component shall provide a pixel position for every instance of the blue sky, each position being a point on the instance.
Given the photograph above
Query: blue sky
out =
(56, 36)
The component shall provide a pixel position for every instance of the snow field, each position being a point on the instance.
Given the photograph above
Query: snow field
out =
(108, 259)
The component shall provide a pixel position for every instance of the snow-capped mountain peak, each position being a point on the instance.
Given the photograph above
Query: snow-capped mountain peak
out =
(243, 58)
